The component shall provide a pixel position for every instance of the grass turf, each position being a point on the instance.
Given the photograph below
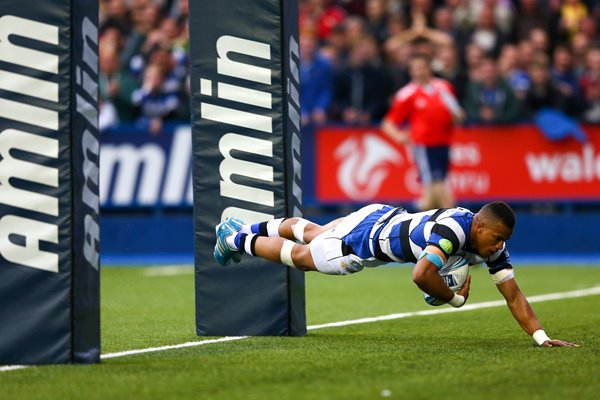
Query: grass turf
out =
(472, 355)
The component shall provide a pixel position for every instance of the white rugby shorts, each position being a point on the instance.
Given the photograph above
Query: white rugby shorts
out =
(327, 248)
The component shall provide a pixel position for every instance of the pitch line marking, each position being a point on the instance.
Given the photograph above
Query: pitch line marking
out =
(170, 270)
(5, 368)
(469, 307)
(171, 347)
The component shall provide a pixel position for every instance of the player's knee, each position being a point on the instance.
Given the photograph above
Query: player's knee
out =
(302, 258)
(311, 231)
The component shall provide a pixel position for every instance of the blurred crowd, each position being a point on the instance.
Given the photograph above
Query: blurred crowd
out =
(144, 63)
(506, 59)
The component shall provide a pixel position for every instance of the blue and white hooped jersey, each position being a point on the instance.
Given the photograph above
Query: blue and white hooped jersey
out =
(395, 235)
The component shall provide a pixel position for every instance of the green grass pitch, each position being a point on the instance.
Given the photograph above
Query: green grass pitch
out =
(480, 354)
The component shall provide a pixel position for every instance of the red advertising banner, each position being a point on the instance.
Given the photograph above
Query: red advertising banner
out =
(514, 162)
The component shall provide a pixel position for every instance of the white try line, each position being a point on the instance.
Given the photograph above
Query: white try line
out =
(169, 270)
(469, 307)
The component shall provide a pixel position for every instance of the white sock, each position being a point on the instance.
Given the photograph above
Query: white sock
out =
(230, 240)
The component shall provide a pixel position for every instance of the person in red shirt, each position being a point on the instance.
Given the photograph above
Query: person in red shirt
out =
(431, 110)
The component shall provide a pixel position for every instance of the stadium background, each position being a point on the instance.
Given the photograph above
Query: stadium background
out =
(370, 334)
(354, 59)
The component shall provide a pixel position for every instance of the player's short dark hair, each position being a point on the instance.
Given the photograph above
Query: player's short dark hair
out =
(502, 212)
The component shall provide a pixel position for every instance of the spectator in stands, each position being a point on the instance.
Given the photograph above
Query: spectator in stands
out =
(580, 46)
(112, 35)
(588, 26)
(501, 11)
(510, 68)
(442, 21)
(526, 52)
(530, 14)
(154, 102)
(491, 99)
(460, 14)
(115, 13)
(361, 87)
(377, 20)
(115, 84)
(315, 81)
(419, 38)
(397, 58)
(539, 40)
(447, 66)
(543, 92)
(180, 11)
(145, 16)
(592, 70)
(396, 24)
(592, 110)
(431, 109)
(473, 56)
(161, 36)
(136, 28)
(174, 74)
(335, 47)
(353, 7)
(594, 9)
(355, 28)
(590, 85)
(486, 33)
(419, 32)
(421, 9)
(324, 15)
(563, 76)
(572, 12)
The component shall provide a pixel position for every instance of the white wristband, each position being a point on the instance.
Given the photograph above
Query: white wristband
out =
(457, 300)
(540, 337)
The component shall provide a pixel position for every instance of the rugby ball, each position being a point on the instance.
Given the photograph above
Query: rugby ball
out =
(455, 277)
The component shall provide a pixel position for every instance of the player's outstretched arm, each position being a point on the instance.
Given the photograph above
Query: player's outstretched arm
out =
(524, 315)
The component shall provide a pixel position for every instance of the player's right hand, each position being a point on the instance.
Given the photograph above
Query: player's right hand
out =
(558, 343)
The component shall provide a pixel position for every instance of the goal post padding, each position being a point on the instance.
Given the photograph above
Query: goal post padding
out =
(49, 232)
(246, 152)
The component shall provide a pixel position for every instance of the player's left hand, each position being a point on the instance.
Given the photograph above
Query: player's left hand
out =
(464, 290)
(558, 343)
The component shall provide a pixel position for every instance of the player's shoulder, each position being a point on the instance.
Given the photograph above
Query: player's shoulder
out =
(458, 219)
(405, 92)
(455, 213)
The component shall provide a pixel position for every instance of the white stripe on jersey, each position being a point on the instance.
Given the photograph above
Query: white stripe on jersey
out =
(427, 229)
(407, 91)
(384, 236)
(416, 250)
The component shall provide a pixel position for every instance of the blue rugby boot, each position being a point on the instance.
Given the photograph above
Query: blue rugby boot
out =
(236, 225)
(222, 252)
